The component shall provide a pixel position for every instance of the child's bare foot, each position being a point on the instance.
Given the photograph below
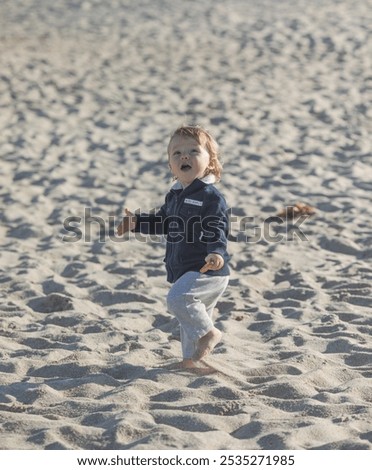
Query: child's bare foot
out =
(207, 343)
(184, 364)
(190, 366)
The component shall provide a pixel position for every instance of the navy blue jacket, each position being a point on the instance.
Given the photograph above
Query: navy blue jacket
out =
(195, 222)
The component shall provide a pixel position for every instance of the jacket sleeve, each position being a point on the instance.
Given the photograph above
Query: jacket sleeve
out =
(215, 226)
(152, 224)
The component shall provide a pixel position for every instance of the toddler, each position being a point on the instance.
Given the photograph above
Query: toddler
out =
(194, 220)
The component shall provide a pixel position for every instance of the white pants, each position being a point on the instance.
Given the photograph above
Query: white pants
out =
(191, 300)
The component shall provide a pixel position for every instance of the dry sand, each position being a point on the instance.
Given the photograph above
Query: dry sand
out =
(89, 93)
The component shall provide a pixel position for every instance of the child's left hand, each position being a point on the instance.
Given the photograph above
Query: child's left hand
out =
(213, 262)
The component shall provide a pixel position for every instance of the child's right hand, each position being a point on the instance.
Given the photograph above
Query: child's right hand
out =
(127, 224)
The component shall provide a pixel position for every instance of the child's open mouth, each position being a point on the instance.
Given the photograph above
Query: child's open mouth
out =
(185, 167)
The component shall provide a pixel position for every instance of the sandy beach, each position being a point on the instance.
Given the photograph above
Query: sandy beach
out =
(89, 93)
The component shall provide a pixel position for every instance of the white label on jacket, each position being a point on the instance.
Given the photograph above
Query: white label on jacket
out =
(194, 202)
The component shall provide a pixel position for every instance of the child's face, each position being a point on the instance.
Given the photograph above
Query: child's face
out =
(188, 160)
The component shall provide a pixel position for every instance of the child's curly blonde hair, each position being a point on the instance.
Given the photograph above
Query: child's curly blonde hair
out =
(204, 138)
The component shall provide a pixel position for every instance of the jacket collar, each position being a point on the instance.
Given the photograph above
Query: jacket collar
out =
(209, 179)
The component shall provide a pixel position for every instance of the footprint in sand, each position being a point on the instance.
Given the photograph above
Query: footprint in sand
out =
(51, 303)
